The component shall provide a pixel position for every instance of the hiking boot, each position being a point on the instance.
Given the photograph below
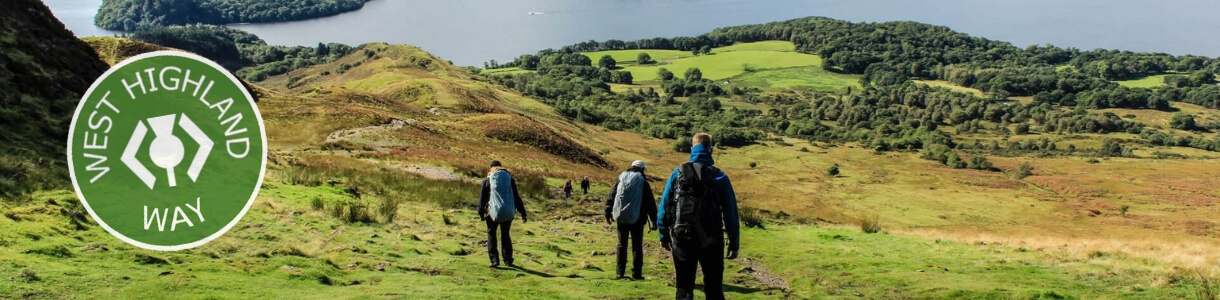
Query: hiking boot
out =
(511, 265)
(496, 264)
(621, 277)
(637, 277)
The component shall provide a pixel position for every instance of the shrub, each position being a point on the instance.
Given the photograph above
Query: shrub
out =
(1183, 121)
(753, 164)
(751, 217)
(388, 209)
(870, 224)
(979, 163)
(1024, 170)
(317, 203)
(682, 145)
(1124, 209)
(833, 170)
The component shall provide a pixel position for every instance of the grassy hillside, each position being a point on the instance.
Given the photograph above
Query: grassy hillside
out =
(43, 72)
(409, 144)
(371, 189)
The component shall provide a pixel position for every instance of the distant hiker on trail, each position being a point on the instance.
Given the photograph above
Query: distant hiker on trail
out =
(584, 185)
(632, 205)
(567, 189)
(497, 202)
(697, 208)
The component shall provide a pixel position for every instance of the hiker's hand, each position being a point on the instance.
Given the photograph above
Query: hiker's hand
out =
(608, 221)
(525, 219)
(651, 228)
(667, 246)
(731, 255)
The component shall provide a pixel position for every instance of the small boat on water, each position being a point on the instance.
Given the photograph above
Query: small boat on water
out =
(537, 13)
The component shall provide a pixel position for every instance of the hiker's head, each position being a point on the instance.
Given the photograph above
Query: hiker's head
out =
(495, 166)
(701, 148)
(702, 139)
(638, 164)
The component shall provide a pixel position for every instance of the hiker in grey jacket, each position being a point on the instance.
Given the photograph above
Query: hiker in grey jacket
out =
(632, 205)
(497, 202)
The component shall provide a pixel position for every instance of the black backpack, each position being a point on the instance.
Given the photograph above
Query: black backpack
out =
(696, 205)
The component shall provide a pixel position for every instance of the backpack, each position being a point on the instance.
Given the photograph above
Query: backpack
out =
(628, 197)
(500, 208)
(696, 205)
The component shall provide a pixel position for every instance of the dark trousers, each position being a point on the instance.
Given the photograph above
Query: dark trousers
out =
(636, 234)
(506, 240)
(687, 258)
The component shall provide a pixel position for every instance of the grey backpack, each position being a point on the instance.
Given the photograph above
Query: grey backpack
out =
(500, 208)
(628, 197)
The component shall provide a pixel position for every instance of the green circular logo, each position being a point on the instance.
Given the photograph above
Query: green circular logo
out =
(167, 150)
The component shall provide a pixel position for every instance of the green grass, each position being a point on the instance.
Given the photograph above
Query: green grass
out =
(811, 77)
(845, 263)
(622, 56)
(727, 64)
(951, 86)
(504, 71)
(778, 46)
(1146, 82)
(286, 248)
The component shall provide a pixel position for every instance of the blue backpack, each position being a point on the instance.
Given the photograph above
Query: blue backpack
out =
(500, 208)
(628, 197)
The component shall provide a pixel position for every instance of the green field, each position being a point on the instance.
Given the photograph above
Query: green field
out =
(629, 56)
(727, 64)
(810, 77)
(1146, 82)
(778, 46)
(504, 71)
(767, 64)
(951, 86)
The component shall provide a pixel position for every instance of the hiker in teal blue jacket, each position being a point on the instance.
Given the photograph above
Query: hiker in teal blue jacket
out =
(697, 209)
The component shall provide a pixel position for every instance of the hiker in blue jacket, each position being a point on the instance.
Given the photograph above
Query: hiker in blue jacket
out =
(497, 202)
(632, 205)
(698, 207)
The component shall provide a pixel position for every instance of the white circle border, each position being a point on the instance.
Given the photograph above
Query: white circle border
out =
(262, 134)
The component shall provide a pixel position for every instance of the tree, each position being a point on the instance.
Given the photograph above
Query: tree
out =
(644, 59)
(693, 74)
(321, 50)
(606, 62)
(1183, 121)
(705, 50)
(665, 74)
(528, 62)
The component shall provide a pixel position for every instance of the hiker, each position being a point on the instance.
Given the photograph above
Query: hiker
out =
(632, 205)
(567, 189)
(584, 185)
(497, 202)
(698, 207)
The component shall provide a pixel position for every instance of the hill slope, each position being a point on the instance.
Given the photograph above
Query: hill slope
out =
(44, 70)
(369, 193)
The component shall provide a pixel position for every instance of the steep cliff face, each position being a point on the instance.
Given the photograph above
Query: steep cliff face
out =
(44, 70)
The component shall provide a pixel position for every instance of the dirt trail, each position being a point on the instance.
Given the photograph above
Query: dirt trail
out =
(763, 274)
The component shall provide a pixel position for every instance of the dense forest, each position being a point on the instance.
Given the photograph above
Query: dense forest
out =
(133, 15)
(246, 54)
(891, 112)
